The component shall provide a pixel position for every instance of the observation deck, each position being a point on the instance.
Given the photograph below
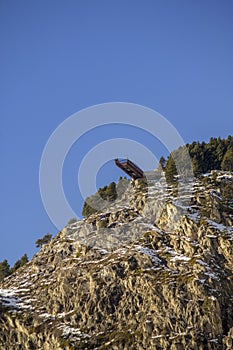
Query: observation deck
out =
(129, 168)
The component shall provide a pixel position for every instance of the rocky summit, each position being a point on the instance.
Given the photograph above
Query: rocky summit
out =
(152, 270)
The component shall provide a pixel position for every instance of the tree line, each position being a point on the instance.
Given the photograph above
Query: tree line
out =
(217, 154)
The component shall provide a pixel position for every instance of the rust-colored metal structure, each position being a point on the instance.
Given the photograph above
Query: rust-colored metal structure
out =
(129, 168)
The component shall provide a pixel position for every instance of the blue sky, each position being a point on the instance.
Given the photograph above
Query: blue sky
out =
(58, 57)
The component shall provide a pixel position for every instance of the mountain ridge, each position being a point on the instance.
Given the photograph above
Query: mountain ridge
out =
(153, 270)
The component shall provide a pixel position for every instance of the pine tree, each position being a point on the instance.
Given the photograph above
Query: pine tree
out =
(88, 209)
(111, 192)
(4, 269)
(197, 170)
(162, 163)
(19, 263)
(220, 151)
(46, 239)
(227, 162)
(170, 170)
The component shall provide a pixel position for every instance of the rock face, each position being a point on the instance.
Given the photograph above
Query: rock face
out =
(153, 271)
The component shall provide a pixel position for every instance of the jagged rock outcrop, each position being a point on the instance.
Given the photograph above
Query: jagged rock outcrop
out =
(153, 271)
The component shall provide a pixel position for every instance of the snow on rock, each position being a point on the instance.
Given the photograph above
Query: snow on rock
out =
(150, 253)
(165, 282)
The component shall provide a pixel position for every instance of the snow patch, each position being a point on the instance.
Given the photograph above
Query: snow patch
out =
(149, 252)
(180, 258)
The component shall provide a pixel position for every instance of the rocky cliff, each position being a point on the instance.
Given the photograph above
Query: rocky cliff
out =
(151, 271)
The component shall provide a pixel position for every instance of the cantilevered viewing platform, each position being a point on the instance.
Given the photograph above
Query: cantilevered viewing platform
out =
(129, 168)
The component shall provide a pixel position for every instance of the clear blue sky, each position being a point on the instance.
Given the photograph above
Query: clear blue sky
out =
(58, 57)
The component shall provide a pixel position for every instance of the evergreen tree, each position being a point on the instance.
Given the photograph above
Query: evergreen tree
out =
(111, 192)
(197, 169)
(229, 140)
(170, 170)
(4, 269)
(220, 151)
(88, 209)
(46, 239)
(72, 221)
(162, 163)
(19, 263)
(209, 156)
(227, 162)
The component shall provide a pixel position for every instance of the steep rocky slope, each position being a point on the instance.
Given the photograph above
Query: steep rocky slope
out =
(153, 271)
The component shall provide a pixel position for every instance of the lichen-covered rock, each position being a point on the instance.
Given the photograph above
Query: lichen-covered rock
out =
(153, 271)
